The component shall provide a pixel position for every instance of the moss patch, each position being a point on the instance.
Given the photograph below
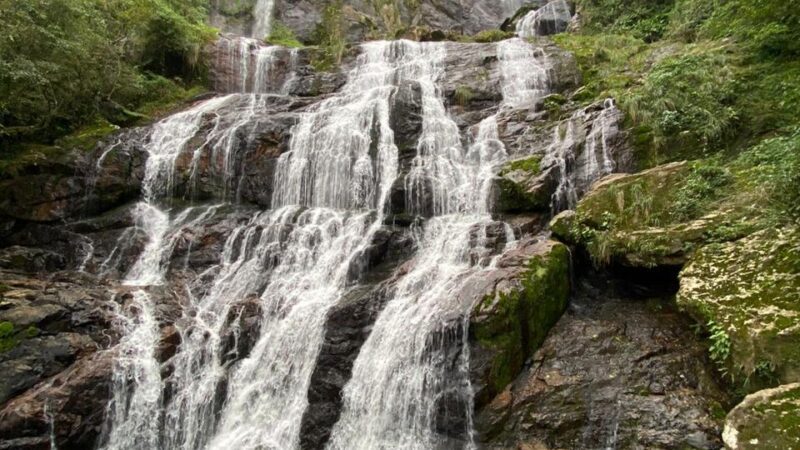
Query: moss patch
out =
(518, 320)
(521, 188)
(768, 419)
(747, 292)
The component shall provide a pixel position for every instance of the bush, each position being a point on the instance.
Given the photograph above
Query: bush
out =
(701, 187)
(774, 166)
(771, 27)
(643, 19)
(283, 35)
(687, 101)
(63, 61)
(330, 38)
(492, 36)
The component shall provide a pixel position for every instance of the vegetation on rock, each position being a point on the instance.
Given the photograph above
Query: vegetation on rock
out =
(518, 320)
(66, 64)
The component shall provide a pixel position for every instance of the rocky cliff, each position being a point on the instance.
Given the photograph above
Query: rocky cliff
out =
(572, 339)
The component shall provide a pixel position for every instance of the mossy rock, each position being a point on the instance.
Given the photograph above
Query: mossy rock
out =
(523, 187)
(768, 419)
(512, 323)
(748, 292)
(652, 218)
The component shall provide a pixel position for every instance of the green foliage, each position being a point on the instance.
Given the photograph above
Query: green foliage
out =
(63, 63)
(330, 38)
(530, 165)
(773, 166)
(610, 64)
(283, 35)
(7, 337)
(463, 95)
(770, 27)
(700, 188)
(687, 101)
(643, 19)
(492, 36)
(719, 349)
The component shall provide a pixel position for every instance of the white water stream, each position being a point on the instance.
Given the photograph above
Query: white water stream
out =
(410, 386)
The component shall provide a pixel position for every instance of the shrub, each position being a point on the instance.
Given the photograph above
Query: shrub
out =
(283, 35)
(330, 38)
(687, 101)
(492, 36)
(463, 95)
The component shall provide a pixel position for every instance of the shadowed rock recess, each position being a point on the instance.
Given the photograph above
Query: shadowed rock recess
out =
(428, 241)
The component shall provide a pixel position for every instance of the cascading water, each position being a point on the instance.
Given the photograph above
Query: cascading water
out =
(577, 171)
(254, 68)
(415, 362)
(551, 18)
(262, 13)
(294, 263)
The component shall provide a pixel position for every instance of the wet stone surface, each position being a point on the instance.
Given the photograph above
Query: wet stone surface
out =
(619, 370)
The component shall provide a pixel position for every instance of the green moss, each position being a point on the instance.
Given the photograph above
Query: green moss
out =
(521, 318)
(515, 194)
(463, 95)
(491, 36)
(282, 35)
(8, 339)
(85, 138)
(769, 419)
(529, 165)
(746, 291)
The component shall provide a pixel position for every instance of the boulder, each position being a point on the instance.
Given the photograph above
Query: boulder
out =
(747, 292)
(768, 419)
(69, 408)
(617, 371)
(515, 306)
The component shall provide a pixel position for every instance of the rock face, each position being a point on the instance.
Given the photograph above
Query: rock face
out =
(57, 328)
(618, 371)
(747, 291)
(765, 420)
(363, 18)
(616, 220)
(46, 325)
(515, 307)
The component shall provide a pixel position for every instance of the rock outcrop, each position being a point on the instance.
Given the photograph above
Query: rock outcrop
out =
(618, 370)
(767, 419)
(747, 291)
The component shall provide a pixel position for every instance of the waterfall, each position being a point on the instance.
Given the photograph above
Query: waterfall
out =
(262, 15)
(578, 170)
(251, 67)
(410, 387)
(292, 263)
(524, 71)
(552, 18)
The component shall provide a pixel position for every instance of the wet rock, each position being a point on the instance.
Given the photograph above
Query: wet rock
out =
(406, 120)
(46, 325)
(767, 419)
(71, 405)
(28, 259)
(616, 371)
(523, 187)
(348, 326)
(552, 18)
(515, 306)
(36, 358)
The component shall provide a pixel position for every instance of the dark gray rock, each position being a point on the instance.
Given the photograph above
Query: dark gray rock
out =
(618, 370)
